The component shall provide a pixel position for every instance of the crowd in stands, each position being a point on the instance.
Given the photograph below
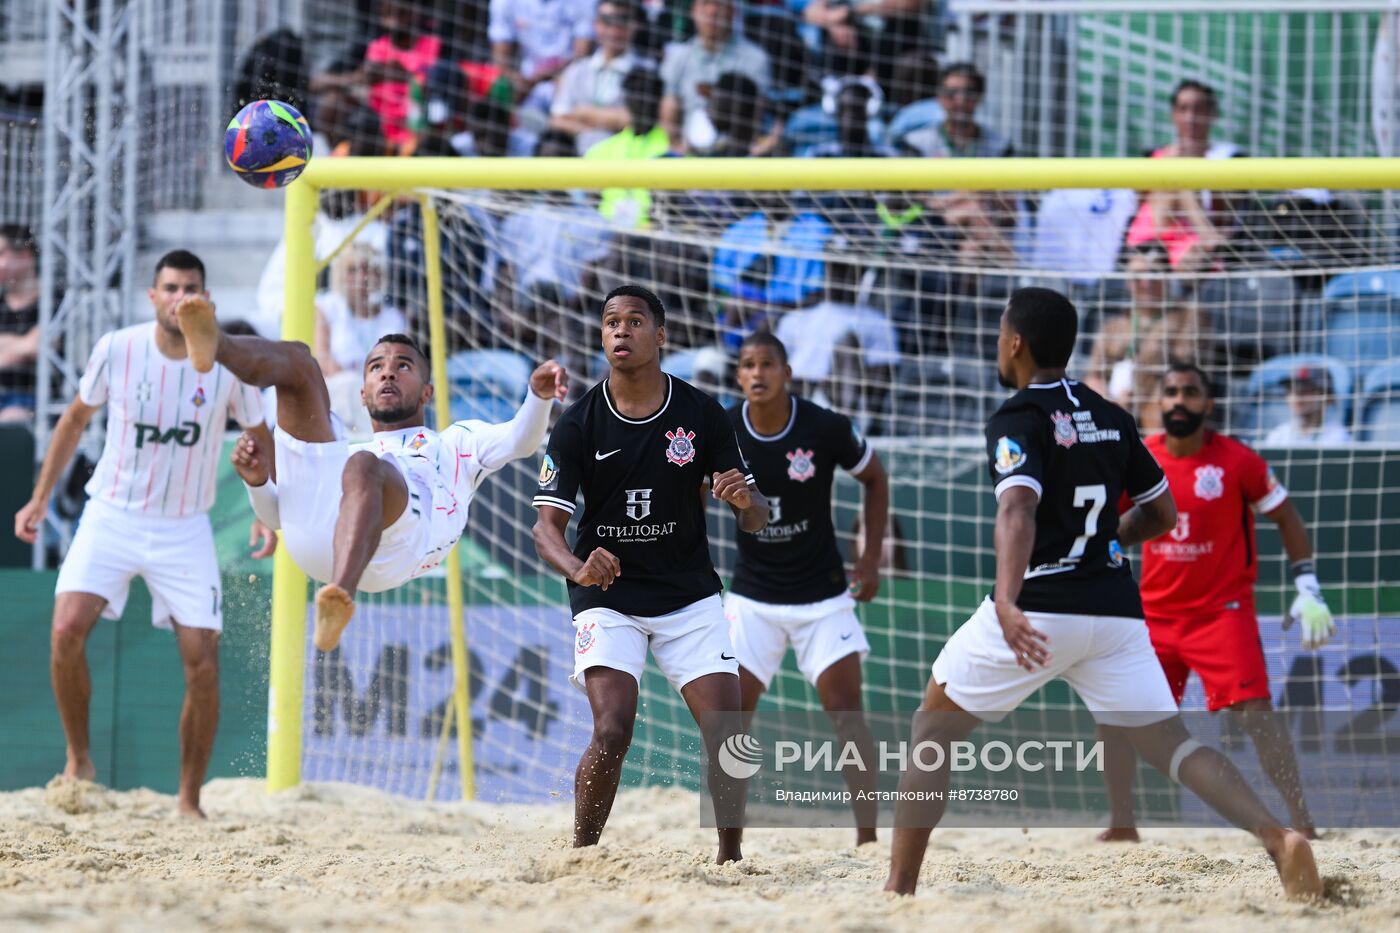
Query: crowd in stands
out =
(865, 287)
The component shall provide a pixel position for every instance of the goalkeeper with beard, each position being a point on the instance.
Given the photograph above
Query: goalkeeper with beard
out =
(1198, 590)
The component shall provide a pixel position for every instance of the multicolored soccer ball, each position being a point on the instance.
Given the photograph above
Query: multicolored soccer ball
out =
(268, 144)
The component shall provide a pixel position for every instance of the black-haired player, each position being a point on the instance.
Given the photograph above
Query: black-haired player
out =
(789, 584)
(374, 515)
(1061, 456)
(640, 445)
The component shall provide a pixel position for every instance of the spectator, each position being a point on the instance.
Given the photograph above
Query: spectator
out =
(1080, 231)
(856, 102)
(588, 102)
(690, 70)
(735, 109)
(19, 322)
(532, 41)
(841, 346)
(959, 133)
(445, 129)
(766, 260)
(1133, 350)
(350, 318)
(351, 315)
(339, 214)
(1193, 225)
(1309, 400)
(642, 138)
(914, 90)
(402, 56)
(864, 36)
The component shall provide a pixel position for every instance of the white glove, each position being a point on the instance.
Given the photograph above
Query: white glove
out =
(1311, 610)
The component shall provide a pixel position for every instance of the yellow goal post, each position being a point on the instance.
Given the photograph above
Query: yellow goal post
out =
(399, 177)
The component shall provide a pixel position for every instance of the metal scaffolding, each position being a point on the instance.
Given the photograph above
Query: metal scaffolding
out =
(89, 232)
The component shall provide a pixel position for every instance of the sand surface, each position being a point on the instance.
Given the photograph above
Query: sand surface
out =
(75, 856)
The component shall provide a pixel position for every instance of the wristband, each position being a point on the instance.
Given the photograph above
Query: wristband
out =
(1300, 567)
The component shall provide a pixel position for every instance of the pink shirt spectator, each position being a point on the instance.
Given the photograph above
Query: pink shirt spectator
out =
(390, 99)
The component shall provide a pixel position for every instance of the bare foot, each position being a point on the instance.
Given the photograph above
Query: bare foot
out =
(334, 607)
(191, 811)
(1307, 829)
(83, 770)
(864, 836)
(1118, 834)
(201, 331)
(1296, 867)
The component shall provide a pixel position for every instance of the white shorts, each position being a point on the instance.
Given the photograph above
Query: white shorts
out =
(821, 634)
(1108, 660)
(308, 501)
(688, 644)
(175, 556)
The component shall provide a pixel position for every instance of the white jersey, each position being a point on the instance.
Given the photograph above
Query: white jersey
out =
(165, 424)
(446, 468)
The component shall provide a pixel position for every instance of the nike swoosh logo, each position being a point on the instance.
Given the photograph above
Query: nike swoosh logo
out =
(847, 635)
(726, 657)
(598, 456)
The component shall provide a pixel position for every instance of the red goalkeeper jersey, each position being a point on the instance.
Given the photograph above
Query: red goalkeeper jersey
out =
(1208, 561)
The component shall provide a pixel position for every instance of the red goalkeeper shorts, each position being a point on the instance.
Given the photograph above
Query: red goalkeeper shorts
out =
(1224, 649)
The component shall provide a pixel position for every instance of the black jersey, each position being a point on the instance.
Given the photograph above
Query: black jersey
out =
(642, 501)
(1079, 453)
(794, 559)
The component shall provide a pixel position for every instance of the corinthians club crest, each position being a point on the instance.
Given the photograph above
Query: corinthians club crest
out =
(801, 465)
(1210, 482)
(1065, 433)
(681, 450)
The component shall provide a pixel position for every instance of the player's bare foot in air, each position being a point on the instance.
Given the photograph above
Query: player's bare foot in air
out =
(201, 331)
(1297, 869)
(334, 607)
(1118, 834)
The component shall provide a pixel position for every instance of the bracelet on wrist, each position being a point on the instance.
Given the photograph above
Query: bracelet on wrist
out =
(1300, 567)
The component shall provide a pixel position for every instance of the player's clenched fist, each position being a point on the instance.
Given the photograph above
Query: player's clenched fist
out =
(28, 519)
(250, 461)
(731, 487)
(601, 569)
(550, 380)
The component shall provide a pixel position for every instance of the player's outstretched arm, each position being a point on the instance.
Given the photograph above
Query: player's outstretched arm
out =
(1014, 540)
(62, 443)
(750, 508)
(521, 436)
(601, 568)
(875, 513)
(1149, 520)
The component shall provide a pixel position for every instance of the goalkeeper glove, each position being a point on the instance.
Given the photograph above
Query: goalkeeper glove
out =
(1310, 610)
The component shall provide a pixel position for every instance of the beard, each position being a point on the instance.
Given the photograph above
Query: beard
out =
(402, 411)
(1182, 423)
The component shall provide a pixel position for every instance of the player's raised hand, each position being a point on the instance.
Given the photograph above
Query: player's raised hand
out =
(550, 380)
(262, 539)
(250, 461)
(29, 518)
(865, 578)
(601, 569)
(1027, 642)
(731, 487)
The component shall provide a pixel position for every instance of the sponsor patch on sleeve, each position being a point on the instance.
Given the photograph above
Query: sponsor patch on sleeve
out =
(549, 473)
(1009, 456)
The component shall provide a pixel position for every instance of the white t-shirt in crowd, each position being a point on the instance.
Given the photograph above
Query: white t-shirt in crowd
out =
(1291, 434)
(352, 337)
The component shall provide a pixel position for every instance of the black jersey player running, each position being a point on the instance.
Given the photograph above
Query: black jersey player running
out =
(1065, 603)
(640, 445)
(789, 584)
